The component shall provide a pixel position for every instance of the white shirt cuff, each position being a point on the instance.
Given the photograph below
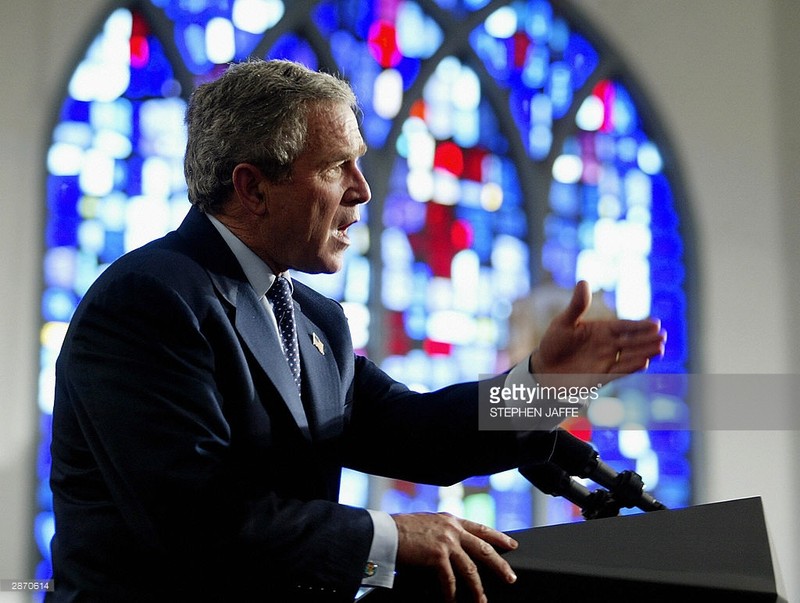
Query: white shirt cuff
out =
(380, 567)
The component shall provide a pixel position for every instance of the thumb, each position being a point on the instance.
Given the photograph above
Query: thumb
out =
(578, 305)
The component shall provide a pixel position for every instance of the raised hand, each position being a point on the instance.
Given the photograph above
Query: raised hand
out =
(597, 349)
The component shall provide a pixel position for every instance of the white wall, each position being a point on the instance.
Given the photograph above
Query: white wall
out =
(723, 77)
(715, 71)
(37, 43)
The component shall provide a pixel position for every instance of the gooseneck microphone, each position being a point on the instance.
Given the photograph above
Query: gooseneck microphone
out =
(552, 479)
(571, 456)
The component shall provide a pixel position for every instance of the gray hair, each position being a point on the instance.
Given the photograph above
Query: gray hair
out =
(256, 112)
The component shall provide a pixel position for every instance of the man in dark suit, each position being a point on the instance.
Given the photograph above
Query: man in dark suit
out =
(190, 462)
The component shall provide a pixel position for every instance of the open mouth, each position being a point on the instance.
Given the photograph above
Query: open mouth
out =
(341, 231)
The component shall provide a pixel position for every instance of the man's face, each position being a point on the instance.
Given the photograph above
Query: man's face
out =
(308, 216)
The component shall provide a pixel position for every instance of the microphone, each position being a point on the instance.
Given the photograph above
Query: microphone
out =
(579, 458)
(552, 479)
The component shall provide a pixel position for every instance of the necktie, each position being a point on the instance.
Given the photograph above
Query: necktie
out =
(280, 295)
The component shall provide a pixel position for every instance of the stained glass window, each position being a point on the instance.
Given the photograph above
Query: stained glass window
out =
(509, 157)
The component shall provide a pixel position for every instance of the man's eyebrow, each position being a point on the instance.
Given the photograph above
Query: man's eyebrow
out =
(347, 154)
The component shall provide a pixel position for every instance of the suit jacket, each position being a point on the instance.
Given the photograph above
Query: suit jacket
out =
(186, 466)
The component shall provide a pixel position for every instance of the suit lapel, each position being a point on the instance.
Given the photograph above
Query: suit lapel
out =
(253, 326)
(321, 378)
(250, 321)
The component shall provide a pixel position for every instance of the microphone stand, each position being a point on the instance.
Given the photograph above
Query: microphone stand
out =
(626, 490)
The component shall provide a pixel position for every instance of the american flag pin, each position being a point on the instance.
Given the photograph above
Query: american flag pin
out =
(318, 343)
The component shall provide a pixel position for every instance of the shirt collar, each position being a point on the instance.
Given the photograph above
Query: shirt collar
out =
(258, 274)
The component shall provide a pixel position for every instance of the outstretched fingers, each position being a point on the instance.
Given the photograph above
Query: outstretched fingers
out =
(635, 343)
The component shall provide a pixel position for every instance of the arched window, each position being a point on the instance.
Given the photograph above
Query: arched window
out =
(510, 154)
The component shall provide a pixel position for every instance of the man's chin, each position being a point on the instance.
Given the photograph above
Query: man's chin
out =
(323, 266)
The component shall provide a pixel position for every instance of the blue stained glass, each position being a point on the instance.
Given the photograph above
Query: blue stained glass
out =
(538, 20)
(152, 78)
(61, 231)
(559, 88)
(537, 63)
(402, 212)
(493, 53)
(246, 43)
(542, 67)
(415, 322)
(74, 110)
(613, 188)
(133, 183)
(626, 119)
(590, 196)
(58, 304)
(559, 35)
(675, 466)
(326, 17)
(115, 115)
(560, 262)
(426, 497)
(346, 47)
(409, 70)
(667, 275)
(486, 179)
(191, 18)
(491, 134)
(350, 14)
(514, 510)
(418, 35)
(44, 496)
(43, 461)
(674, 490)
(348, 24)
(606, 441)
(63, 195)
(663, 212)
(479, 481)
(564, 199)
(512, 195)
(482, 238)
(362, 70)
(667, 245)
(582, 59)
(375, 129)
(674, 441)
(293, 47)
(191, 42)
(511, 222)
(114, 246)
(462, 7)
(43, 530)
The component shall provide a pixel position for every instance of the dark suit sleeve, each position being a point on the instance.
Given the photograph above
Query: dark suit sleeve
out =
(424, 437)
(151, 499)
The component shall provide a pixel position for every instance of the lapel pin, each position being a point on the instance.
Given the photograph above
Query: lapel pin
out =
(318, 343)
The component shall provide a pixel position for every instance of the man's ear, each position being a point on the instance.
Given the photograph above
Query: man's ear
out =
(251, 187)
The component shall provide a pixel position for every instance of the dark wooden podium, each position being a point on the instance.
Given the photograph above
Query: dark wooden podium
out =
(712, 552)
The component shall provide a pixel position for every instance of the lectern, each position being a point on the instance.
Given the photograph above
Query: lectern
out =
(713, 552)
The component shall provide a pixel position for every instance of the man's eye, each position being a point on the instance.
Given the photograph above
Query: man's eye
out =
(333, 171)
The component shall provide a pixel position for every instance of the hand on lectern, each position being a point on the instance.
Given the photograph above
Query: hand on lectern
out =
(453, 548)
